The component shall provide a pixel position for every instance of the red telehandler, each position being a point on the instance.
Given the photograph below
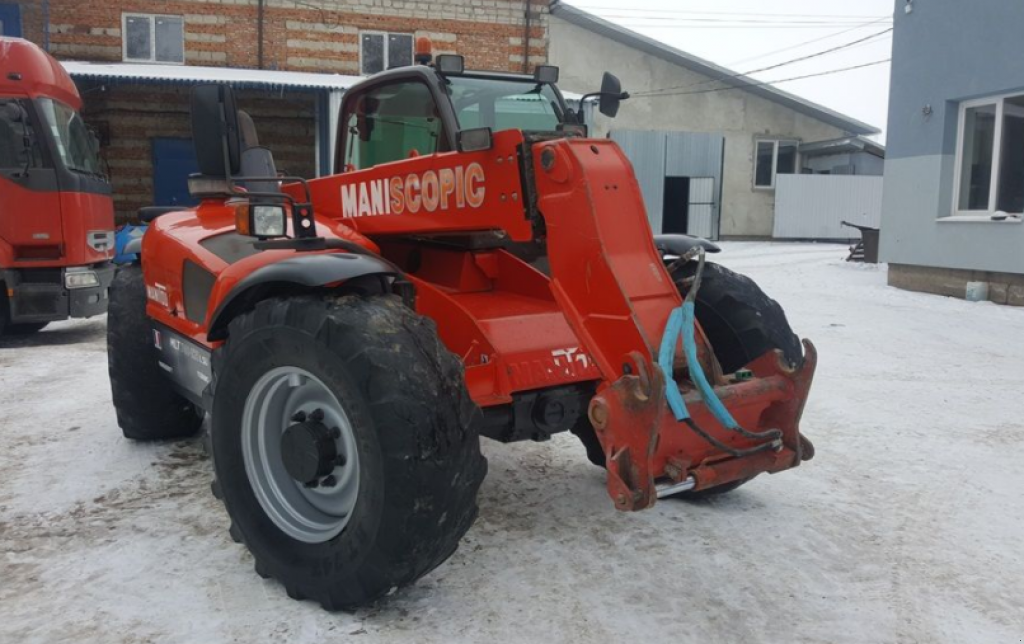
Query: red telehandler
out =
(475, 266)
(56, 212)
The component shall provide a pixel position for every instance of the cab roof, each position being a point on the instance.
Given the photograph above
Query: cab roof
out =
(27, 70)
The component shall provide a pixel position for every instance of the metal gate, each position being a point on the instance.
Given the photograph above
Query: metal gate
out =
(696, 155)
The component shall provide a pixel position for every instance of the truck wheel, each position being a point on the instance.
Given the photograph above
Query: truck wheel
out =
(741, 322)
(147, 408)
(26, 328)
(344, 444)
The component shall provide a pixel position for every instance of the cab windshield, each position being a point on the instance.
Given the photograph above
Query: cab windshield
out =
(504, 104)
(75, 145)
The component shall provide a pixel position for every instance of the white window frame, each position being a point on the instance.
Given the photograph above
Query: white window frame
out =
(775, 160)
(152, 38)
(999, 101)
(387, 46)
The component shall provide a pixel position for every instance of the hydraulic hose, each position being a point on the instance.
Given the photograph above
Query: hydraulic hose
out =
(681, 322)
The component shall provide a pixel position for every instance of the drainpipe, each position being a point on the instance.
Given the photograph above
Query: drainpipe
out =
(259, 34)
(526, 38)
(46, 25)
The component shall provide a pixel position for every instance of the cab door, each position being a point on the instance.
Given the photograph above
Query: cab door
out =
(30, 215)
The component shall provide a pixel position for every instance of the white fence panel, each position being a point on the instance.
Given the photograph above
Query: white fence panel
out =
(812, 206)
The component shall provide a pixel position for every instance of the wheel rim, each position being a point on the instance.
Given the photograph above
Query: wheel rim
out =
(278, 400)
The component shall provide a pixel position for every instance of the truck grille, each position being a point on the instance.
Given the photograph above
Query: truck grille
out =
(41, 276)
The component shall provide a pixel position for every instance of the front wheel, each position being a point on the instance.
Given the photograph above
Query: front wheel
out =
(345, 445)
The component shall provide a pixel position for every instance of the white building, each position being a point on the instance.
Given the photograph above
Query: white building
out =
(707, 161)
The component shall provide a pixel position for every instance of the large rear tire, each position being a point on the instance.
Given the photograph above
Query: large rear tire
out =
(741, 322)
(146, 405)
(365, 389)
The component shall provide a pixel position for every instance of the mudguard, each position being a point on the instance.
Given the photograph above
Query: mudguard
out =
(679, 244)
(303, 271)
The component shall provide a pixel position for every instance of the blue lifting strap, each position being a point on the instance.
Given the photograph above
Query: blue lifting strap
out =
(681, 322)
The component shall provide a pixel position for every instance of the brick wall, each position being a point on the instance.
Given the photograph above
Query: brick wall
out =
(133, 115)
(32, 21)
(321, 36)
(299, 35)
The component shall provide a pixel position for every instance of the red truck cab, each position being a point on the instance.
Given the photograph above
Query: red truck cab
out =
(56, 211)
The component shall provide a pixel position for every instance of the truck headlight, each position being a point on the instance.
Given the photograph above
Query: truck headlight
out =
(80, 278)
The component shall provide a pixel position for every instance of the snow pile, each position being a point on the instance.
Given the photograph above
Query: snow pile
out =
(906, 527)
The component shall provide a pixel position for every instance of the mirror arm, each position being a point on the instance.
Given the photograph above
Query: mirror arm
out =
(621, 95)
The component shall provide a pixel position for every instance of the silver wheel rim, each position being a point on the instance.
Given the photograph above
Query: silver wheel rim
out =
(311, 515)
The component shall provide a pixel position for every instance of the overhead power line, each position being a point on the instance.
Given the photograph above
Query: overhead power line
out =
(588, 7)
(762, 84)
(793, 61)
(661, 25)
(731, 21)
(806, 42)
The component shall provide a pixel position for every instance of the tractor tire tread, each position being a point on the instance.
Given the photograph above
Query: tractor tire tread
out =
(410, 382)
(146, 406)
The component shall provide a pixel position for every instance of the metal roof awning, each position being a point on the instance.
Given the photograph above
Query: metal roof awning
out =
(843, 146)
(192, 74)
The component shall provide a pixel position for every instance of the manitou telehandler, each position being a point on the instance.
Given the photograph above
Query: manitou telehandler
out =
(56, 213)
(476, 265)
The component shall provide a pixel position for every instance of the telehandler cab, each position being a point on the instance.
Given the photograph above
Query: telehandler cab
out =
(475, 266)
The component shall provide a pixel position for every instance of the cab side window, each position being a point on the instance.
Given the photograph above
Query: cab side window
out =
(390, 123)
(19, 145)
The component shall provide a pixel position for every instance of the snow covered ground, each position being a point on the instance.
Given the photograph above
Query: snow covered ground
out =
(907, 527)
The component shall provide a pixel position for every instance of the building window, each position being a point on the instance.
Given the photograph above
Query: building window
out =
(990, 157)
(771, 158)
(153, 38)
(379, 51)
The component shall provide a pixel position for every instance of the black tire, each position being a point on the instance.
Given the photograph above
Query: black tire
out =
(147, 408)
(416, 436)
(5, 310)
(741, 322)
(26, 328)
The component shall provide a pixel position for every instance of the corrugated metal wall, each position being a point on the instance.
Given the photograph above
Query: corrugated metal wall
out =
(659, 154)
(811, 206)
(701, 211)
(646, 151)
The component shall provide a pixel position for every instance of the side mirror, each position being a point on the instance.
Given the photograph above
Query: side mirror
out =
(611, 95)
(215, 130)
(94, 142)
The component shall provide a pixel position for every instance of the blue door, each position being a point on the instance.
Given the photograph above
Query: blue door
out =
(10, 20)
(173, 161)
